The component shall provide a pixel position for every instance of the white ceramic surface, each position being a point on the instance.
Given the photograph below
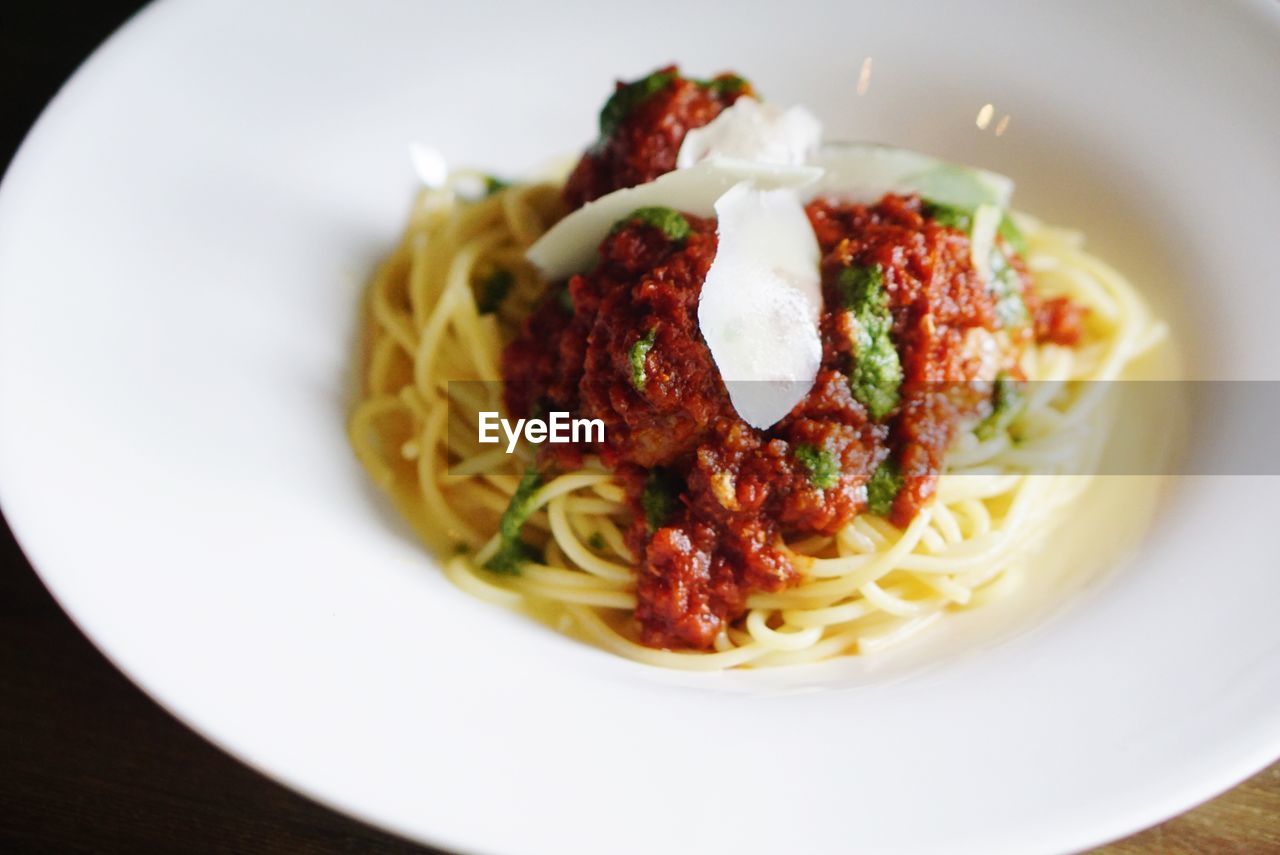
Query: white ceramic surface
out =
(182, 241)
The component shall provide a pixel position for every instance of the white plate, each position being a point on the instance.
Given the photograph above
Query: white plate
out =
(182, 241)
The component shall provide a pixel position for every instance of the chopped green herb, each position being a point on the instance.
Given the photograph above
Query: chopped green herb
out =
(660, 497)
(948, 216)
(883, 488)
(877, 371)
(565, 299)
(628, 96)
(494, 184)
(494, 290)
(670, 222)
(725, 84)
(1012, 235)
(639, 353)
(596, 541)
(1006, 404)
(823, 468)
(510, 557)
(512, 551)
(461, 549)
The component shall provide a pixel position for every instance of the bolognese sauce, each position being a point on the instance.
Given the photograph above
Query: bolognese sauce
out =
(913, 342)
(642, 126)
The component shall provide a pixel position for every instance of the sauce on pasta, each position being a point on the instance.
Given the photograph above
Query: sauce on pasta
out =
(686, 537)
(621, 344)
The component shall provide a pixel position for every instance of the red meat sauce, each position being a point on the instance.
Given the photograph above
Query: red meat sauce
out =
(646, 141)
(739, 492)
(1057, 319)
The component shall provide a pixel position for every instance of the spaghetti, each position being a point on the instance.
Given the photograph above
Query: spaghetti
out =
(867, 586)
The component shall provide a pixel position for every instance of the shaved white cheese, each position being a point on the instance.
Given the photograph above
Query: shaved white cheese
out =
(750, 130)
(864, 173)
(761, 300)
(570, 246)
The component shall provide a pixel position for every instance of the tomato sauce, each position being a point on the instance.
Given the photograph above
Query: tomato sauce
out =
(738, 493)
(648, 138)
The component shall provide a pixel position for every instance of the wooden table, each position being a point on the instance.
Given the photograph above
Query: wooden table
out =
(88, 763)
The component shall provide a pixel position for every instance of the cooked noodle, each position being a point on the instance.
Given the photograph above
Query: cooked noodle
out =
(868, 586)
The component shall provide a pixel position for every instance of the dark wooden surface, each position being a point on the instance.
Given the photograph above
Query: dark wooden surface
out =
(89, 764)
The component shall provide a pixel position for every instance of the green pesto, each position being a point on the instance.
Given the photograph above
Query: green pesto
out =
(627, 97)
(822, 466)
(728, 84)
(640, 352)
(948, 216)
(669, 221)
(660, 497)
(512, 551)
(494, 184)
(494, 290)
(876, 374)
(883, 488)
(564, 299)
(1012, 235)
(1006, 404)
